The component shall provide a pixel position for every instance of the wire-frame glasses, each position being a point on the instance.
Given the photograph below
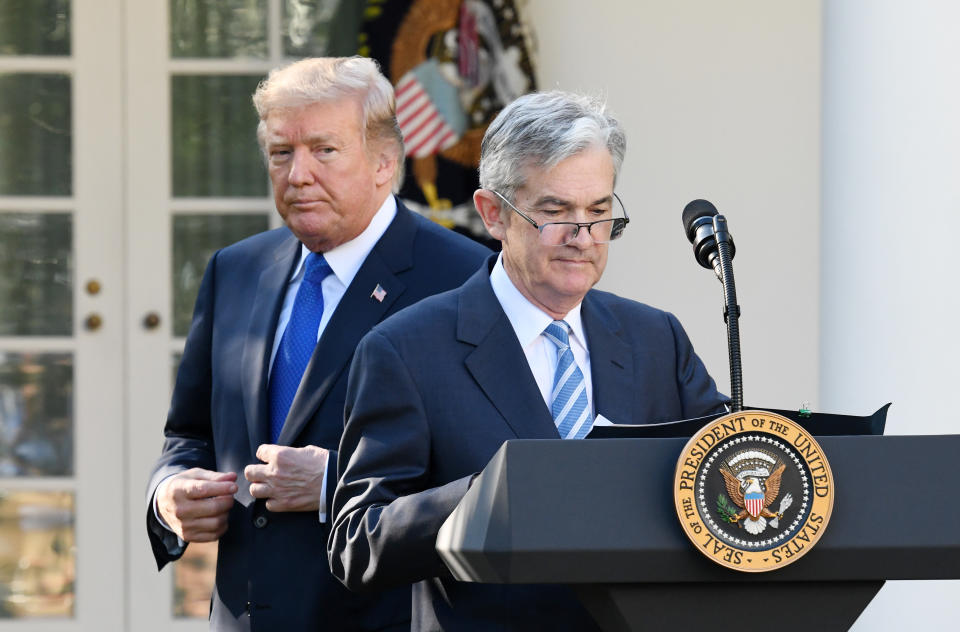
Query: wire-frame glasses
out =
(602, 231)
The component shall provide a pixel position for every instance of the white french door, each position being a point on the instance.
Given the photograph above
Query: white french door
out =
(127, 156)
(196, 182)
(63, 444)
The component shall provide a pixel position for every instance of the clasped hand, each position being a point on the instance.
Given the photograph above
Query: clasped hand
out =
(290, 479)
(195, 503)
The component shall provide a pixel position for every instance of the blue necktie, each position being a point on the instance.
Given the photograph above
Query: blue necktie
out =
(569, 406)
(298, 342)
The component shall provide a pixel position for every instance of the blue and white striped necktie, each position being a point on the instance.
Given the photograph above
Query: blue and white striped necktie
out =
(568, 399)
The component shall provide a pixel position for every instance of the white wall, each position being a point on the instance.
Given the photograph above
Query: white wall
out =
(891, 192)
(722, 100)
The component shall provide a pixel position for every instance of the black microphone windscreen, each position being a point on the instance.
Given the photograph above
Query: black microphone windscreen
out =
(694, 211)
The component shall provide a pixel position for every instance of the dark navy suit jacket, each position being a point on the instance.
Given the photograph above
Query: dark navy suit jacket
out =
(434, 391)
(272, 570)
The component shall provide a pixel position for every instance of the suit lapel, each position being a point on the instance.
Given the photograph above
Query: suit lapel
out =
(498, 363)
(358, 311)
(611, 364)
(267, 302)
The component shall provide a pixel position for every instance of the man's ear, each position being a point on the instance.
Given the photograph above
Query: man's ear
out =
(491, 212)
(386, 167)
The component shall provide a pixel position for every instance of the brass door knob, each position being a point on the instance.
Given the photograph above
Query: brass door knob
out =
(151, 320)
(93, 322)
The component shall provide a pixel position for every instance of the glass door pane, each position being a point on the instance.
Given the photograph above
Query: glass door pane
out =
(35, 124)
(220, 28)
(36, 273)
(37, 554)
(36, 414)
(35, 27)
(214, 139)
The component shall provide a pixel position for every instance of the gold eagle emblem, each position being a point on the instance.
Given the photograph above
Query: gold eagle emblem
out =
(754, 514)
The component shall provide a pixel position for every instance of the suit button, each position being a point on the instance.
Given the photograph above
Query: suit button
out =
(260, 522)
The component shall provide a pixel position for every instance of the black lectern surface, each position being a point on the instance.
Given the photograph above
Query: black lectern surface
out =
(819, 424)
(601, 512)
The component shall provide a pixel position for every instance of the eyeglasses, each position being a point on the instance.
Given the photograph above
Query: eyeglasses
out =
(602, 231)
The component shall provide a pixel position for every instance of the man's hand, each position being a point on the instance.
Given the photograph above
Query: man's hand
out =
(195, 503)
(290, 479)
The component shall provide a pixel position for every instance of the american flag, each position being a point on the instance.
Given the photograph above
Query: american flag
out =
(379, 293)
(425, 131)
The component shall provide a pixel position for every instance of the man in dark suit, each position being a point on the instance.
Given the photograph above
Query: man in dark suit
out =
(257, 412)
(524, 349)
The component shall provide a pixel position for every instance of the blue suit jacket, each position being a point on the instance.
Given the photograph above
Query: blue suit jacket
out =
(434, 391)
(272, 571)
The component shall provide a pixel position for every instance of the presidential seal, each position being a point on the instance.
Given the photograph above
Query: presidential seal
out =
(753, 491)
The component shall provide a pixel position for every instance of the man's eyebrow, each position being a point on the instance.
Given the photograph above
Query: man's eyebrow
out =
(549, 200)
(308, 140)
(321, 138)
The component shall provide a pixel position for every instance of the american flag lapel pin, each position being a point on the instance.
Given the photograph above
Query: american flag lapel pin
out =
(379, 293)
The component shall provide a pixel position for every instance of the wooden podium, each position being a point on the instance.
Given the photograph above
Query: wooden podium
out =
(599, 515)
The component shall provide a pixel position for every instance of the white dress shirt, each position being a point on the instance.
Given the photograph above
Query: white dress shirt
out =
(344, 261)
(528, 323)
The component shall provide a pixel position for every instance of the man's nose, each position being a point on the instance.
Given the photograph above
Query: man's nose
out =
(583, 239)
(302, 168)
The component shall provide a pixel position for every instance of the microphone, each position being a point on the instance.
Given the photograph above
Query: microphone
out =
(713, 247)
(699, 219)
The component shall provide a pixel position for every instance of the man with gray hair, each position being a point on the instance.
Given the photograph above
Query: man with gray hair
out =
(251, 436)
(524, 349)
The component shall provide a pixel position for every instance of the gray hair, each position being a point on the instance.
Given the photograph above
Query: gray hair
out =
(329, 79)
(542, 129)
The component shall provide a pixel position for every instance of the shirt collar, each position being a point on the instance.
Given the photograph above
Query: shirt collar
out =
(345, 260)
(527, 319)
